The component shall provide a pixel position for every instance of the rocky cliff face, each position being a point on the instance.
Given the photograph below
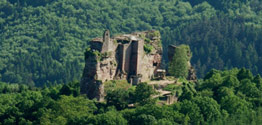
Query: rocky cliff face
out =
(134, 57)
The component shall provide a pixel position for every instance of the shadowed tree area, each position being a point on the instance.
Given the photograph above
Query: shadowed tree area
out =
(221, 98)
(42, 44)
(42, 41)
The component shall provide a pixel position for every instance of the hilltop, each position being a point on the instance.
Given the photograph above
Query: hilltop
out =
(42, 42)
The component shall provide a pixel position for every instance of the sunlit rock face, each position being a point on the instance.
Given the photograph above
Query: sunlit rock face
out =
(134, 57)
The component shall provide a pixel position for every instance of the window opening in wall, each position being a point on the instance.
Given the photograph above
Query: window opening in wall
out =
(123, 41)
(155, 64)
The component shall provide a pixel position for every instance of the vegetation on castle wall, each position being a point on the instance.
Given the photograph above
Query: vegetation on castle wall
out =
(148, 48)
(148, 41)
(96, 54)
(179, 66)
(152, 34)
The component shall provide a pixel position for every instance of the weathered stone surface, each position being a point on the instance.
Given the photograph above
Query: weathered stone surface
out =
(125, 57)
(120, 57)
(171, 52)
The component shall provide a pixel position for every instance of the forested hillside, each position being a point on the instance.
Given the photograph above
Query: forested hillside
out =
(43, 41)
(223, 97)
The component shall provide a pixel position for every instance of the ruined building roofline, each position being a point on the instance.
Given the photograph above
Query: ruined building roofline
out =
(121, 37)
(132, 36)
(127, 37)
(97, 40)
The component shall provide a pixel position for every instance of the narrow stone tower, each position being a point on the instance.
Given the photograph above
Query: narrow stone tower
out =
(107, 43)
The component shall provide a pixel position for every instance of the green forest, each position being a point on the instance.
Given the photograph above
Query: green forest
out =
(222, 97)
(42, 46)
(42, 42)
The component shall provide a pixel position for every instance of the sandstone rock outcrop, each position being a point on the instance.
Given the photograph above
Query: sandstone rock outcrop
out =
(134, 57)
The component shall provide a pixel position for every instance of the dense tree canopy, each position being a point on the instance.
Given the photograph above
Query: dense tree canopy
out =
(42, 41)
(221, 98)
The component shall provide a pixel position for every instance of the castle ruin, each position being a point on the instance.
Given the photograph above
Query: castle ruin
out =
(134, 57)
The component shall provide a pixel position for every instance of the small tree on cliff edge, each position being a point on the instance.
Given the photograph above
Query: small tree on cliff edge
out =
(180, 65)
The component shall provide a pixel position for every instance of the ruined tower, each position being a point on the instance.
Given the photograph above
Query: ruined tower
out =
(107, 43)
(121, 57)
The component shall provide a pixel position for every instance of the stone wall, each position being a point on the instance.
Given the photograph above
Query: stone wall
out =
(123, 58)
(106, 68)
(107, 43)
(127, 54)
(171, 52)
(134, 64)
(120, 57)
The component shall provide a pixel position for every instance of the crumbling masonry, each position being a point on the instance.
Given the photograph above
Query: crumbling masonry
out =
(134, 57)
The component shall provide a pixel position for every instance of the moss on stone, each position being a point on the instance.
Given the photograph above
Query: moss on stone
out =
(96, 54)
(159, 44)
(147, 40)
(153, 34)
(148, 48)
(115, 42)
